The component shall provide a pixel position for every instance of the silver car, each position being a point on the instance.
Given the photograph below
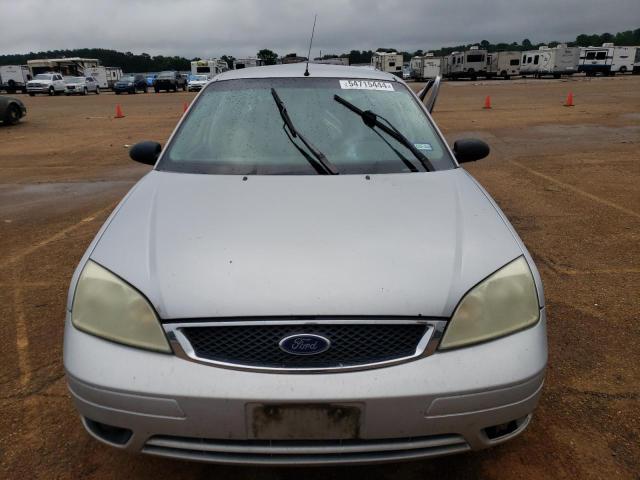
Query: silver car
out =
(81, 85)
(306, 276)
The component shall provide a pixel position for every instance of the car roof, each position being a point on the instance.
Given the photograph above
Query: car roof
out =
(295, 70)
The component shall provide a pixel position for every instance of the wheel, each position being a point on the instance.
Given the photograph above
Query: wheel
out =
(13, 114)
(32, 94)
(184, 87)
(623, 69)
(84, 91)
(556, 75)
(97, 90)
(157, 90)
(117, 93)
(146, 90)
(175, 88)
(52, 92)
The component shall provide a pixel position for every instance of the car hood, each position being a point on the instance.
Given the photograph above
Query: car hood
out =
(218, 246)
(75, 84)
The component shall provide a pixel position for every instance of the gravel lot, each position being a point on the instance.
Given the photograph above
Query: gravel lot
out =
(568, 178)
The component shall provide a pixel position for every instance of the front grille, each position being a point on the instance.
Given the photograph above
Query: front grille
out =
(273, 452)
(351, 344)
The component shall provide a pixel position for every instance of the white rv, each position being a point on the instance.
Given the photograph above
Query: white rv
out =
(503, 64)
(113, 75)
(68, 67)
(470, 64)
(607, 60)
(14, 78)
(99, 74)
(391, 62)
(210, 67)
(636, 62)
(556, 61)
(427, 66)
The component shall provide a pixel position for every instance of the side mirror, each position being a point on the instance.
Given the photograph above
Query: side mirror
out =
(470, 150)
(145, 152)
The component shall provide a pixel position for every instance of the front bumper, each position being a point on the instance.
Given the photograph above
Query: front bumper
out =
(437, 405)
(41, 89)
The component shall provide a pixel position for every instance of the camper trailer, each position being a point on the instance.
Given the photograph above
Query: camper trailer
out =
(427, 66)
(503, 64)
(14, 78)
(210, 67)
(68, 67)
(556, 61)
(391, 62)
(100, 75)
(470, 64)
(113, 75)
(636, 62)
(240, 63)
(607, 60)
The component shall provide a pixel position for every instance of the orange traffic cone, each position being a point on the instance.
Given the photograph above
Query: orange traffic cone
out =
(569, 102)
(119, 113)
(487, 102)
(185, 107)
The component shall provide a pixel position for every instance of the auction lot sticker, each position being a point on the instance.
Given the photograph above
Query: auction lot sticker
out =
(366, 85)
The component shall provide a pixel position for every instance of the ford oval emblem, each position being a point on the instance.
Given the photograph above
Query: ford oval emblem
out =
(305, 344)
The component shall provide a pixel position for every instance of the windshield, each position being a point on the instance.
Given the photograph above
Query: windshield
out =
(127, 79)
(235, 128)
(43, 76)
(75, 79)
(199, 78)
(166, 75)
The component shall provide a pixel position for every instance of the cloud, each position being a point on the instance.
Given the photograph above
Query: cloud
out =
(206, 28)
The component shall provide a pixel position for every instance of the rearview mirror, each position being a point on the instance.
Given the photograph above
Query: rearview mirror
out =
(145, 152)
(470, 150)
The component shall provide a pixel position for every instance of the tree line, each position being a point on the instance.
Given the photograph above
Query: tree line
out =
(143, 62)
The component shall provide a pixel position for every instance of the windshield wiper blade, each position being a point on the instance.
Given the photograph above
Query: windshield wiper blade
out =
(326, 166)
(370, 119)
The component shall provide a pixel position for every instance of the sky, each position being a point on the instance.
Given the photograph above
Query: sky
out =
(211, 28)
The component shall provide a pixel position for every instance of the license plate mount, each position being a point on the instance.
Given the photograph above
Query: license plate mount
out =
(304, 421)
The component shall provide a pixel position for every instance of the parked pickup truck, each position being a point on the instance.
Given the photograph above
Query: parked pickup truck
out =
(170, 81)
(50, 83)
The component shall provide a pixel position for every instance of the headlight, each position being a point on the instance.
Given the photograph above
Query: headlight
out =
(503, 303)
(106, 306)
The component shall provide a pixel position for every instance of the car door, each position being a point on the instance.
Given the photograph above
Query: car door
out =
(91, 84)
(58, 83)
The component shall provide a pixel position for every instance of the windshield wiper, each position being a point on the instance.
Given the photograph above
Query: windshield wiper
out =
(370, 119)
(321, 164)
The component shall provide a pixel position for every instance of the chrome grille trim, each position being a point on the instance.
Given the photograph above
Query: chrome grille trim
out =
(426, 346)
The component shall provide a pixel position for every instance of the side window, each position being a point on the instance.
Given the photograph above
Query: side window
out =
(536, 59)
(591, 55)
(601, 55)
(515, 62)
(524, 59)
(392, 64)
(529, 60)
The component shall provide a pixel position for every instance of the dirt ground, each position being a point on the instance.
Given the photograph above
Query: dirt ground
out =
(568, 178)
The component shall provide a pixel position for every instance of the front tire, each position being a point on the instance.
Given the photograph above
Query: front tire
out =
(84, 91)
(13, 115)
(52, 92)
(97, 90)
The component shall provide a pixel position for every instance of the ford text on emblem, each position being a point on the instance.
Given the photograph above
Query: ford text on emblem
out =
(304, 344)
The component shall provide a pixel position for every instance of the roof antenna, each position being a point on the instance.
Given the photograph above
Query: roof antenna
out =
(306, 72)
